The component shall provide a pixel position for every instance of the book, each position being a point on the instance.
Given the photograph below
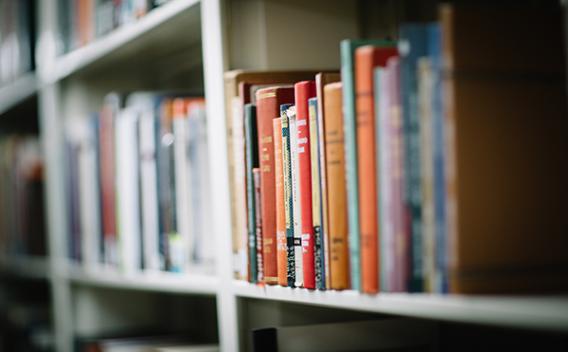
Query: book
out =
(268, 107)
(413, 43)
(322, 79)
(505, 210)
(281, 249)
(128, 191)
(347, 51)
(112, 105)
(288, 196)
(316, 166)
(251, 144)
(238, 85)
(297, 205)
(258, 216)
(302, 92)
(336, 187)
(366, 59)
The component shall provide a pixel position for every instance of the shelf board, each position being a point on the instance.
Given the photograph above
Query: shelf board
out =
(135, 39)
(198, 284)
(17, 91)
(548, 313)
(25, 267)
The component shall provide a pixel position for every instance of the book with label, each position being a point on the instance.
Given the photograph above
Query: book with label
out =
(303, 91)
(297, 205)
(256, 174)
(281, 250)
(268, 108)
(288, 196)
(337, 194)
(322, 79)
(347, 50)
(366, 59)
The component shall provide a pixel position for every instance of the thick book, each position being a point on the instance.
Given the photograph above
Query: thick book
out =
(288, 196)
(297, 205)
(258, 222)
(322, 79)
(128, 191)
(316, 166)
(251, 144)
(505, 127)
(281, 250)
(237, 94)
(366, 59)
(108, 115)
(268, 107)
(347, 49)
(413, 42)
(336, 187)
(303, 91)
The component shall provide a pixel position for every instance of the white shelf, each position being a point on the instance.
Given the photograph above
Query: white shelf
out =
(131, 37)
(25, 266)
(197, 284)
(548, 313)
(17, 91)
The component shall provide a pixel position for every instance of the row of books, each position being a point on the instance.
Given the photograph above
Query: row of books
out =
(22, 228)
(430, 164)
(138, 183)
(17, 39)
(146, 343)
(82, 21)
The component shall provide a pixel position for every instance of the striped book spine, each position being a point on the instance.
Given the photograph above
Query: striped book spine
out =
(288, 196)
(281, 251)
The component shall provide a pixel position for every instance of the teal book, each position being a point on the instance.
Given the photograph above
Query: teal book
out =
(347, 48)
(288, 201)
(413, 43)
(251, 155)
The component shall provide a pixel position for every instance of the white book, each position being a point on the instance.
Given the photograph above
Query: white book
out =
(179, 249)
(89, 200)
(144, 104)
(203, 243)
(297, 211)
(128, 191)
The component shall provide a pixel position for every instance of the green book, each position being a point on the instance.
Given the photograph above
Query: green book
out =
(288, 201)
(251, 151)
(347, 49)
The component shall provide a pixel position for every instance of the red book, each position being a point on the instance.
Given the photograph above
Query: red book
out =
(366, 59)
(268, 101)
(304, 91)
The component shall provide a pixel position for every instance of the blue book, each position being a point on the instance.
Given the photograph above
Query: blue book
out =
(347, 49)
(251, 151)
(413, 44)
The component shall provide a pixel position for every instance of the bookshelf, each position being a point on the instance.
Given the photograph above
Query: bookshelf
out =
(212, 34)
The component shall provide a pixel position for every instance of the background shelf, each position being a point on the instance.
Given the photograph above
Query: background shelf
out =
(197, 284)
(17, 91)
(25, 267)
(548, 313)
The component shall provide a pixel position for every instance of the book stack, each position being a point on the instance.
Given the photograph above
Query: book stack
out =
(429, 164)
(17, 39)
(22, 230)
(82, 21)
(138, 183)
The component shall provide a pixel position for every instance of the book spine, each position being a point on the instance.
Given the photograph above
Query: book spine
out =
(303, 91)
(149, 181)
(288, 199)
(350, 130)
(414, 35)
(281, 251)
(297, 215)
(319, 260)
(258, 214)
(383, 152)
(337, 195)
(240, 185)
(252, 162)
(364, 104)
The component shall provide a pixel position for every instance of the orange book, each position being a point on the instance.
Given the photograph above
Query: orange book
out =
(336, 187)
(366, 59)
(281, 249)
